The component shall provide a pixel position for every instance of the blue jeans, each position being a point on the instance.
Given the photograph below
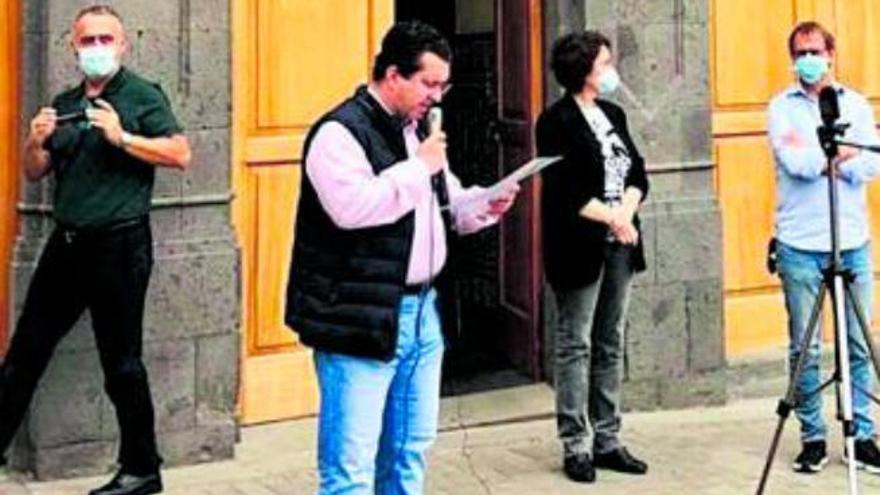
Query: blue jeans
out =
(801, 273)
(377, 418)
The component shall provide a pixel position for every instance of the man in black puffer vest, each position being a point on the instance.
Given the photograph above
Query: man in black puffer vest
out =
(370, 239)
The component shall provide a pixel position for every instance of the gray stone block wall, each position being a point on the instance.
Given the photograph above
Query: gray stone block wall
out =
(191, 327)
(674, 334)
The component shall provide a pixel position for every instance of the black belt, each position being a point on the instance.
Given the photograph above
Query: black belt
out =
(70, 233)
(415, 289)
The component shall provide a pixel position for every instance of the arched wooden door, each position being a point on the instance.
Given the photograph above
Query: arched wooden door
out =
(9, 169)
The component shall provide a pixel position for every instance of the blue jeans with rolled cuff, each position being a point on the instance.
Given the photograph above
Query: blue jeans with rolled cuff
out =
(801, 274)
(377, 419)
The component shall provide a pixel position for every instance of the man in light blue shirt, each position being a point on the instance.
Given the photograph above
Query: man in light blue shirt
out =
(804, 237)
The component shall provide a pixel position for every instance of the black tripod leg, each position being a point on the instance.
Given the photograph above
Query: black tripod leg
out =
(822, 387)
(788, 403)
(868, 393)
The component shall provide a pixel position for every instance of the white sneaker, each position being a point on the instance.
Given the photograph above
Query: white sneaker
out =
(867, 456)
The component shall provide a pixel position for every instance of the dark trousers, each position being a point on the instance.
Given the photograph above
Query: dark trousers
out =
(106, 272)
(589, 357)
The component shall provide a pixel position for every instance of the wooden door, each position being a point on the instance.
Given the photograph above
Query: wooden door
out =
(9, 167)
(293, 61)
(518, 31)
(749, 64)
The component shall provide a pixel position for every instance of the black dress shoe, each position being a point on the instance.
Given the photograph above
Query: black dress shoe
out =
(129, 484)
(620, 460)
(5, 474)
(579, 468)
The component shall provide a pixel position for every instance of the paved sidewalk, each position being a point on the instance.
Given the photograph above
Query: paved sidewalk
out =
(709, 451)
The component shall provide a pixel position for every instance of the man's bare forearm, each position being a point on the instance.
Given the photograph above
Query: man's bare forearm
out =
(37, 161)
(171, 151)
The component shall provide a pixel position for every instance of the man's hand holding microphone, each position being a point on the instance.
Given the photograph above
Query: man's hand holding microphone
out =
(432, 150)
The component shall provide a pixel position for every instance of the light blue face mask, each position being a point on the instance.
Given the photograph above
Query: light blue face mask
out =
(98, 62)
(609, 81)
(811, 68)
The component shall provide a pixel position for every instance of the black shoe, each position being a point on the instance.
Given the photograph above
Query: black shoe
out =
(5, 474)
(579, 468)
(867, 456)
(621, 460)
(812, 458)
(128, 484)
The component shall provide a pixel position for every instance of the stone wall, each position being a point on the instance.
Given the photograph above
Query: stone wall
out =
(674, 335)
(191, 330)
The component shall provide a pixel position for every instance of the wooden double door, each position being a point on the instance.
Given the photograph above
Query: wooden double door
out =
(294, 60)
(749, 64)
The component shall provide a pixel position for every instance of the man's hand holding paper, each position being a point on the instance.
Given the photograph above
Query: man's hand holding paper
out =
(499, 197)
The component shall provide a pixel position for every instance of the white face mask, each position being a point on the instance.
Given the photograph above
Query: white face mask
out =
(98, 62)
(811, 68)
(609, 81)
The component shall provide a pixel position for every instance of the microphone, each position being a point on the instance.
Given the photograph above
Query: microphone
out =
(829, 108)
(829, 111)
(435, 119)
(438, 180)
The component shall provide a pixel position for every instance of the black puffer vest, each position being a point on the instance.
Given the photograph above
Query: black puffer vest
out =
(345, 285)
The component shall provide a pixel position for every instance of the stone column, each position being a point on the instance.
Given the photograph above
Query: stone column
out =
(674, 335)
(191, 346)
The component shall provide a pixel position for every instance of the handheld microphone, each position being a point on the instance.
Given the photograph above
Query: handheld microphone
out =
(435, 119)
(438, 180)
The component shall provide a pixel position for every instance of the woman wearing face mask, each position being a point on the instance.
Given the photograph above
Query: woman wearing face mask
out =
(592, 249)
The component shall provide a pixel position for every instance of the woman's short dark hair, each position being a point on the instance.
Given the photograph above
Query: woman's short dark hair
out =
(404, 45)
(573, 56)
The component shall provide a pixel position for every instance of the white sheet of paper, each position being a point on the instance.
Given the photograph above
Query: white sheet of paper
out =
(494, 191)
(531, 168)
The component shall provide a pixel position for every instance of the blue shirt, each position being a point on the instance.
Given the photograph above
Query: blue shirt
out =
(802, 209)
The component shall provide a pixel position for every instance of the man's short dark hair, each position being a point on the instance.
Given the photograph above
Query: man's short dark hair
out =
(404, 45)
(807, 28)
(97, 9)
(573, 56)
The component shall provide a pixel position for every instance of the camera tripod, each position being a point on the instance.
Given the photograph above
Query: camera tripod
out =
(837, 282)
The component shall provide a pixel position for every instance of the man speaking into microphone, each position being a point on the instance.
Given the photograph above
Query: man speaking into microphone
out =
(369, 241)
(803, 237)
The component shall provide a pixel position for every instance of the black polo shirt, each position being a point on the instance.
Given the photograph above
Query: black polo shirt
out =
(97, 183)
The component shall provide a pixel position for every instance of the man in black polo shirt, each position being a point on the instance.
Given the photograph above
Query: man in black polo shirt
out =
(102, 141)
